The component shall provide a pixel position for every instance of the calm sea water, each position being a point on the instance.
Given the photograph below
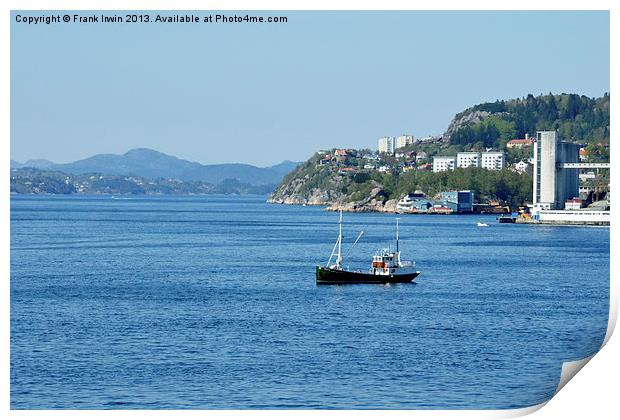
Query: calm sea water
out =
(211, 302)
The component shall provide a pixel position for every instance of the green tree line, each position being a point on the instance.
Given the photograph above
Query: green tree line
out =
(506, 186)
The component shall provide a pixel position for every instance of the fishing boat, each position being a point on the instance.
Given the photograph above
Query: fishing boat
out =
(386, 267)
(481, 224)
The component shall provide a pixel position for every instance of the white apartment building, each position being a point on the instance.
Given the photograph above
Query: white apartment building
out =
(404, 140)
(444, 163)
(467, 159)
(386, 145)
(493, 161)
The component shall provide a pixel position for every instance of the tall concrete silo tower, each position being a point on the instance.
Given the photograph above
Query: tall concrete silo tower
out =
(553, 184)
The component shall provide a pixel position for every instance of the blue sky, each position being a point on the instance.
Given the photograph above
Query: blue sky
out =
(259, 94)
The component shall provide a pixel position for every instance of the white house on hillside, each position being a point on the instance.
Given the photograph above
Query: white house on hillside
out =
(521, 166)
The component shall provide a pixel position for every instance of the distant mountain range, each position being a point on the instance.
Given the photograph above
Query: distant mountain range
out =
(151, 164)
(32, 163)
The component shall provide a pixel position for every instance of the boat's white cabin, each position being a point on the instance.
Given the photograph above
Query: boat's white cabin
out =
(388, 263)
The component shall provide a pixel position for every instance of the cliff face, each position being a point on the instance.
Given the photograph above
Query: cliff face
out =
(296, 192)
(465, 119)
(332, 190)
(375, 202)
(309, 184)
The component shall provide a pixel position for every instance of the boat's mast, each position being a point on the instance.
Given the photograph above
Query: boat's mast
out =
(339, 259)
(397, 219)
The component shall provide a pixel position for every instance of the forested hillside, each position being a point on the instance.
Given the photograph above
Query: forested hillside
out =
(576, 118)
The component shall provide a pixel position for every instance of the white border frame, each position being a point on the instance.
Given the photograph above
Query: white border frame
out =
(593, 394)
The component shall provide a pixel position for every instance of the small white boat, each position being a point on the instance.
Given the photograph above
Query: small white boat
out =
(481, 224)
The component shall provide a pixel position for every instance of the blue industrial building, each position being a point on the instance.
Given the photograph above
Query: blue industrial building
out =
(459, 201)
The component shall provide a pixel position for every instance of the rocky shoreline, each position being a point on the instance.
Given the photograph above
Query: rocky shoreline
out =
(387, 207)
(376, 202)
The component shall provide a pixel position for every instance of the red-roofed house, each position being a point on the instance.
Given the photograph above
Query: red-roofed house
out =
(341, 155)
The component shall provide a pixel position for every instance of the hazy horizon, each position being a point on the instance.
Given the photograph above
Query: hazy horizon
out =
(149, 148)
(262, 94)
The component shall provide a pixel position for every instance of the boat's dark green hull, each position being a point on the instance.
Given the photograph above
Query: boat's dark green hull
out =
(326, 275)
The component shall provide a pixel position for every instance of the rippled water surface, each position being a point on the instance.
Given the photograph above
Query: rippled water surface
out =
(210, 302)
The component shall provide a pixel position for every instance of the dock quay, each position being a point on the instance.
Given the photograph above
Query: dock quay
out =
(569, 217)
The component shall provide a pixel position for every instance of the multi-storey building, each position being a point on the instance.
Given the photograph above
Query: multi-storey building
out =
(467, 159)
(386, 145)
(404, 140)
(444, 163)
(493, 161)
